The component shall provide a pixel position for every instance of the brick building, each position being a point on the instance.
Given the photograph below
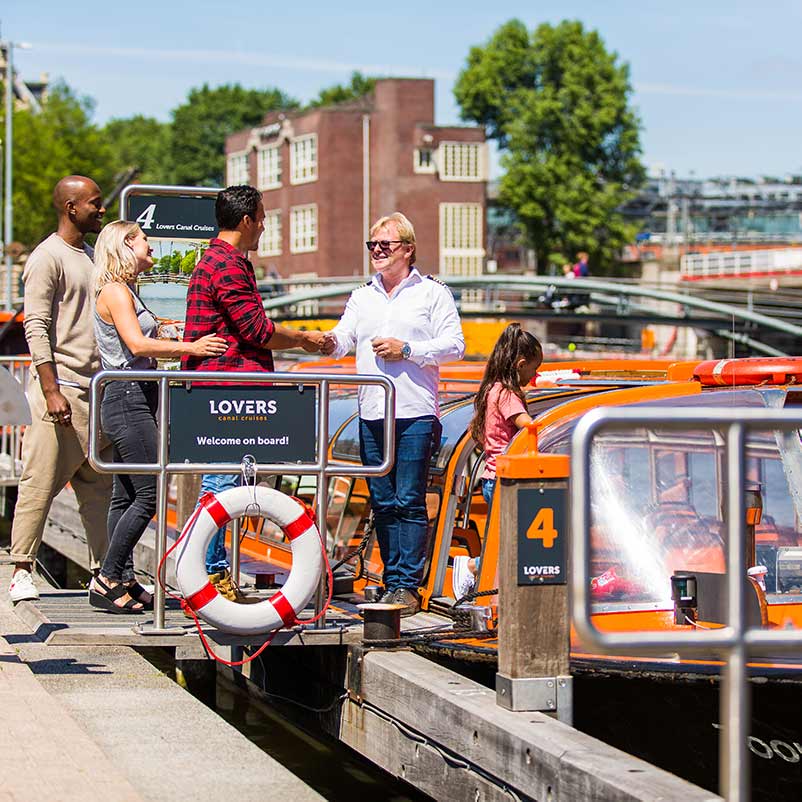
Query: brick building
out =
(327, 173)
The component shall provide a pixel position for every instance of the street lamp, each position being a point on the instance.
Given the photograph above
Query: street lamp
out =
(9, 227)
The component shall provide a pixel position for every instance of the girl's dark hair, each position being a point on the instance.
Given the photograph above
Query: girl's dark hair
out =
(513, 345)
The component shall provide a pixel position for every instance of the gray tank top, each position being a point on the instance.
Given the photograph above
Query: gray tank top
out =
(114, 353)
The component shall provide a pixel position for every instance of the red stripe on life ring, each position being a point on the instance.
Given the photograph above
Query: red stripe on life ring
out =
(200, 598)
(283, 608)
(298, 526)
(218, 512)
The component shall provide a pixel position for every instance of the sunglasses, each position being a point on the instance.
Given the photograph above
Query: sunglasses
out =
(384, 244)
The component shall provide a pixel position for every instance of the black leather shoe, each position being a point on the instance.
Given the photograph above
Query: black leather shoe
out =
(408, 599)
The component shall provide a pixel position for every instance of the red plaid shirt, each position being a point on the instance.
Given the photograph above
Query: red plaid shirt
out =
(222, 299)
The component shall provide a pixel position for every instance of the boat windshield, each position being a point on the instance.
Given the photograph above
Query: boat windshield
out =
(657, 499)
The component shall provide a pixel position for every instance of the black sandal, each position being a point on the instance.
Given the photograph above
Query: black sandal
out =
(135, 591)
(105, 601)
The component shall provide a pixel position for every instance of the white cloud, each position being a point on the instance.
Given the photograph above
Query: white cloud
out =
(251, 59)
(729, 94)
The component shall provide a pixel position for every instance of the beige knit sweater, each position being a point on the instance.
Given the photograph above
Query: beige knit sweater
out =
(58, 309)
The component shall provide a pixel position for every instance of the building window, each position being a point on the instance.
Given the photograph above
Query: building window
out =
(303, 159)
(423, 160)
(461, 234)
(462, 161)
(237, 171)
(303, 228)
(268, 167)
(270, 241)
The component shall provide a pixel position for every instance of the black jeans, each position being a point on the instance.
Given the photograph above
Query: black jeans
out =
(128, 416)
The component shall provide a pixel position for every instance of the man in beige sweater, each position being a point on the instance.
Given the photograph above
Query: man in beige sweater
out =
(64, 357)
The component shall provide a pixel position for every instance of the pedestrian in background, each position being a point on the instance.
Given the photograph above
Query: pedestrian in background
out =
(64, 357)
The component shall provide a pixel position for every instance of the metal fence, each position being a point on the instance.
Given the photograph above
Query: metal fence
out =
(733, 642)
(163, 468)
(11, 436)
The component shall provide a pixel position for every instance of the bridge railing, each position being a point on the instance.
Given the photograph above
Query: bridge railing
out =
(741, 263)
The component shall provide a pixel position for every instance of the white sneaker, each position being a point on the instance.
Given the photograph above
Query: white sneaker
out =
(22, 587)
(462, 580)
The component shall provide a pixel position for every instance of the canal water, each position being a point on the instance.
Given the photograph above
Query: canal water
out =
(165, 299)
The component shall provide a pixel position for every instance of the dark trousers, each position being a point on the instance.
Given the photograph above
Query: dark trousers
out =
(398, 500)
(128, 416)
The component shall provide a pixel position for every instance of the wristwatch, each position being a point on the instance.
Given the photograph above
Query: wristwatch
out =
(406, 351)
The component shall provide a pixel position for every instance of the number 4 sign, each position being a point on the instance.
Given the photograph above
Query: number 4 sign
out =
(542, 536)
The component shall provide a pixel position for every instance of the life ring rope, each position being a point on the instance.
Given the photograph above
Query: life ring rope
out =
(207, 592)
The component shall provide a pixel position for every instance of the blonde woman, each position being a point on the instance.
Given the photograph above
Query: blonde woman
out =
(126, 336)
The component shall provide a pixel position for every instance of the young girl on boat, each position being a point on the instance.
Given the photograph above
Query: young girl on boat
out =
(500, 413)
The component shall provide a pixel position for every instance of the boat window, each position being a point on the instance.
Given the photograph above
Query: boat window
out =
(657, 506)
(346, 446)
(455, 423)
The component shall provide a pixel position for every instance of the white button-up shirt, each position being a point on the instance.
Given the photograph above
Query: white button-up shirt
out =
(420, 312)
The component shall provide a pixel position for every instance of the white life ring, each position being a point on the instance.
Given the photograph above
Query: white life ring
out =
(280, 609)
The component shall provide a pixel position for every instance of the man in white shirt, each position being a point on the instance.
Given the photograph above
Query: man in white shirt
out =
(404, 326)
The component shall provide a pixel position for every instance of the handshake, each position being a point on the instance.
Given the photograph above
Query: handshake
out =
(319, 342)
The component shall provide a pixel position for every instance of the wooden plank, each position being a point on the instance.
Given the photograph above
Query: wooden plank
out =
(537, 755)
(406, 756)
(529, 615)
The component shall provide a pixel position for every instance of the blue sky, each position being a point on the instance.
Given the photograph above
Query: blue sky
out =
(718, 85)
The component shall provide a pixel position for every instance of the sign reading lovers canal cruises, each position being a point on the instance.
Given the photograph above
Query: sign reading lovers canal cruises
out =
(223, 424)
(541, 536)
(175, 213)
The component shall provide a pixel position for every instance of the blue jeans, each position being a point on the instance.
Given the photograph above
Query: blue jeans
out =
(216, 559)
(398, 500)
(488, 488)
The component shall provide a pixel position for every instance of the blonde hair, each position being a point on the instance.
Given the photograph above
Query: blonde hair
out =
(115, 261)
(406, 233)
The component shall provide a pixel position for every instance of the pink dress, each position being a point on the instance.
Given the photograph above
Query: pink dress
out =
(503, 407)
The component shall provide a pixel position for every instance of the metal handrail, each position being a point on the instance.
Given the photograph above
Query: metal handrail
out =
(163, 467)
(735, 640)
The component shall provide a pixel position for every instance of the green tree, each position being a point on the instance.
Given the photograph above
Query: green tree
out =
(143, 143)
(59, 140)
(557, 103)
(175, 262)
(360, 85)
(188, 261)
(201, 125)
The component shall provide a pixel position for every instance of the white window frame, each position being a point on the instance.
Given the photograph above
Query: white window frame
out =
(461, 236)
(303, 159)
(303, 228)
(462, 161)
(268, 167)
(421, 168)
(270, 241)
(237, 169)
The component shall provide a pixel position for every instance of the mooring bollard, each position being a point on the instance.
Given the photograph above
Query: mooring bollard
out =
(382, 621)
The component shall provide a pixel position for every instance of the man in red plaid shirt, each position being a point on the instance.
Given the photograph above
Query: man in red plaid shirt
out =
(223, 300)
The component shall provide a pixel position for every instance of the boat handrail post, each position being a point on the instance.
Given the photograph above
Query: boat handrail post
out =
(735, 640)
(532, 582)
